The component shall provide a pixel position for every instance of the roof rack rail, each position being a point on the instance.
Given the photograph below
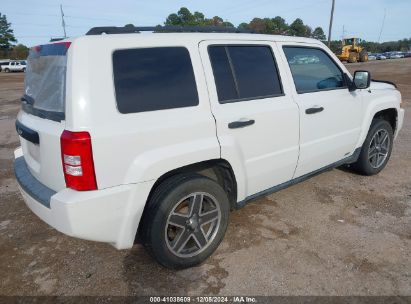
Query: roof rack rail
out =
(165, 29)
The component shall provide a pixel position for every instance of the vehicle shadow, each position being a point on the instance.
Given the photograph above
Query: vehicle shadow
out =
(347, 169)
(145, 276)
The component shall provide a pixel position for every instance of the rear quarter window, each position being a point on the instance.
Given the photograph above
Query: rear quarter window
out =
(150, 79)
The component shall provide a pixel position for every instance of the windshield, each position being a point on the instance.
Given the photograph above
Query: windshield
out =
(44, 84)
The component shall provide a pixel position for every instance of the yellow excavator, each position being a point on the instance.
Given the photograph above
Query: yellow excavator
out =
(352, 51)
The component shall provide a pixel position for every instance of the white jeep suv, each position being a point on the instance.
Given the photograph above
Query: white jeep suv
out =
(160, 135)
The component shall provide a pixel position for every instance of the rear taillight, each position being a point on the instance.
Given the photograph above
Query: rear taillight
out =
(77, 158)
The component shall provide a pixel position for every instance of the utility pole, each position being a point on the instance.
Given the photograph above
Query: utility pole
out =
(331, 23)
(63, 23)
(382, 26)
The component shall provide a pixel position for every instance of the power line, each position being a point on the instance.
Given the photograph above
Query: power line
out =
(251, 4)
(67, 16)
(382, 25)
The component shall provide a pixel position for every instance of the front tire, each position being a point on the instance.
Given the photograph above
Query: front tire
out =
(363, 56)
(352, 57)
(376, 149)
(185, 221)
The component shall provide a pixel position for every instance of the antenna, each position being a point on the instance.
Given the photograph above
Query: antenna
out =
(331, 23)
(63, 23)
(382, 25)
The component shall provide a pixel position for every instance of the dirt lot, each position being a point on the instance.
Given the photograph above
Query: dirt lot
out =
(335, 234)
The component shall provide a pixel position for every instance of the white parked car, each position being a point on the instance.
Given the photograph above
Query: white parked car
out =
(15, 66)
(396, 55)
(372, 57)
(160, 135)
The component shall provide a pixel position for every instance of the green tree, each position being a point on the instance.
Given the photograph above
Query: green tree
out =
(280, 27)
(243, 25)
(199, 18)
(335, 46)
(217, 21)
(308, 31)
(173, 19)
(258, 24)
(6, 33)
(297, 28)
(186, 17)
(20, 51)
(227, 24)
(318, 33)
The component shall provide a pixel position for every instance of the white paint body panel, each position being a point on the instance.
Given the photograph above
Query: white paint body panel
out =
(262, 155)
(331, 135)
(132, 151)
(109, 215)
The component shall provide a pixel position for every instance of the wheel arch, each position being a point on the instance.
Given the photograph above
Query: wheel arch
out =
(219, 170)
(384, 111)
(390, 115)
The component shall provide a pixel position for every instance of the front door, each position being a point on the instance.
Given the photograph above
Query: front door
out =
(330, 115)
(257, 120)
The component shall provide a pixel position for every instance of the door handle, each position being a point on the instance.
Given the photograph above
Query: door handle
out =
(240, 124)
(314, 110)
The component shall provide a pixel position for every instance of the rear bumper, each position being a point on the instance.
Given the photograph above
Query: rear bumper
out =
(109, 215)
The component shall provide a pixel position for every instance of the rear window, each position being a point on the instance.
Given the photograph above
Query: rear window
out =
(244, 72)
(45, 80)
(150, 79)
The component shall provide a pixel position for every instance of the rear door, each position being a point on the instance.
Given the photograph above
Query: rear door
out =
(41, 120)
(330, 115)
(257, 120)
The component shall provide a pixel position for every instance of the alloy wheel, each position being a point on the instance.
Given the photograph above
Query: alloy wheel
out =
(379, 148)
(193, 224)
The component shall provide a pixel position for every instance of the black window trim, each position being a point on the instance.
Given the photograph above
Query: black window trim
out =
(225, 45)
(344, 87)
(152, 47)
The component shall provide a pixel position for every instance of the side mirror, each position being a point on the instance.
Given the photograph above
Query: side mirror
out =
(362, 79)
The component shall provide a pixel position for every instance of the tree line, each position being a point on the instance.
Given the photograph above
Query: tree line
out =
(275, 26)
(184, 17)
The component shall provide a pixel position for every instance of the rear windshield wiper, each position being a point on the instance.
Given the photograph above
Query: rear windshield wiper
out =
(26, 99)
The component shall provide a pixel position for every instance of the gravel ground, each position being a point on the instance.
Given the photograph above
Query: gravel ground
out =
(335, 234)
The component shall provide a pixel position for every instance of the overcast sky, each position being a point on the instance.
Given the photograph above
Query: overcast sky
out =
(34, 22)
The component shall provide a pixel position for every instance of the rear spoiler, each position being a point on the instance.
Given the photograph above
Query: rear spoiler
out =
(385, 81)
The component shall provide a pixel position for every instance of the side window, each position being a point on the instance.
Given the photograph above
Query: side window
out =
(244, 72)
(313, 70)
(150, 79)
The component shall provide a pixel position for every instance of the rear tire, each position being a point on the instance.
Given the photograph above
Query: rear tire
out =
(7, 70)
(185, 220)
(376, 150)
